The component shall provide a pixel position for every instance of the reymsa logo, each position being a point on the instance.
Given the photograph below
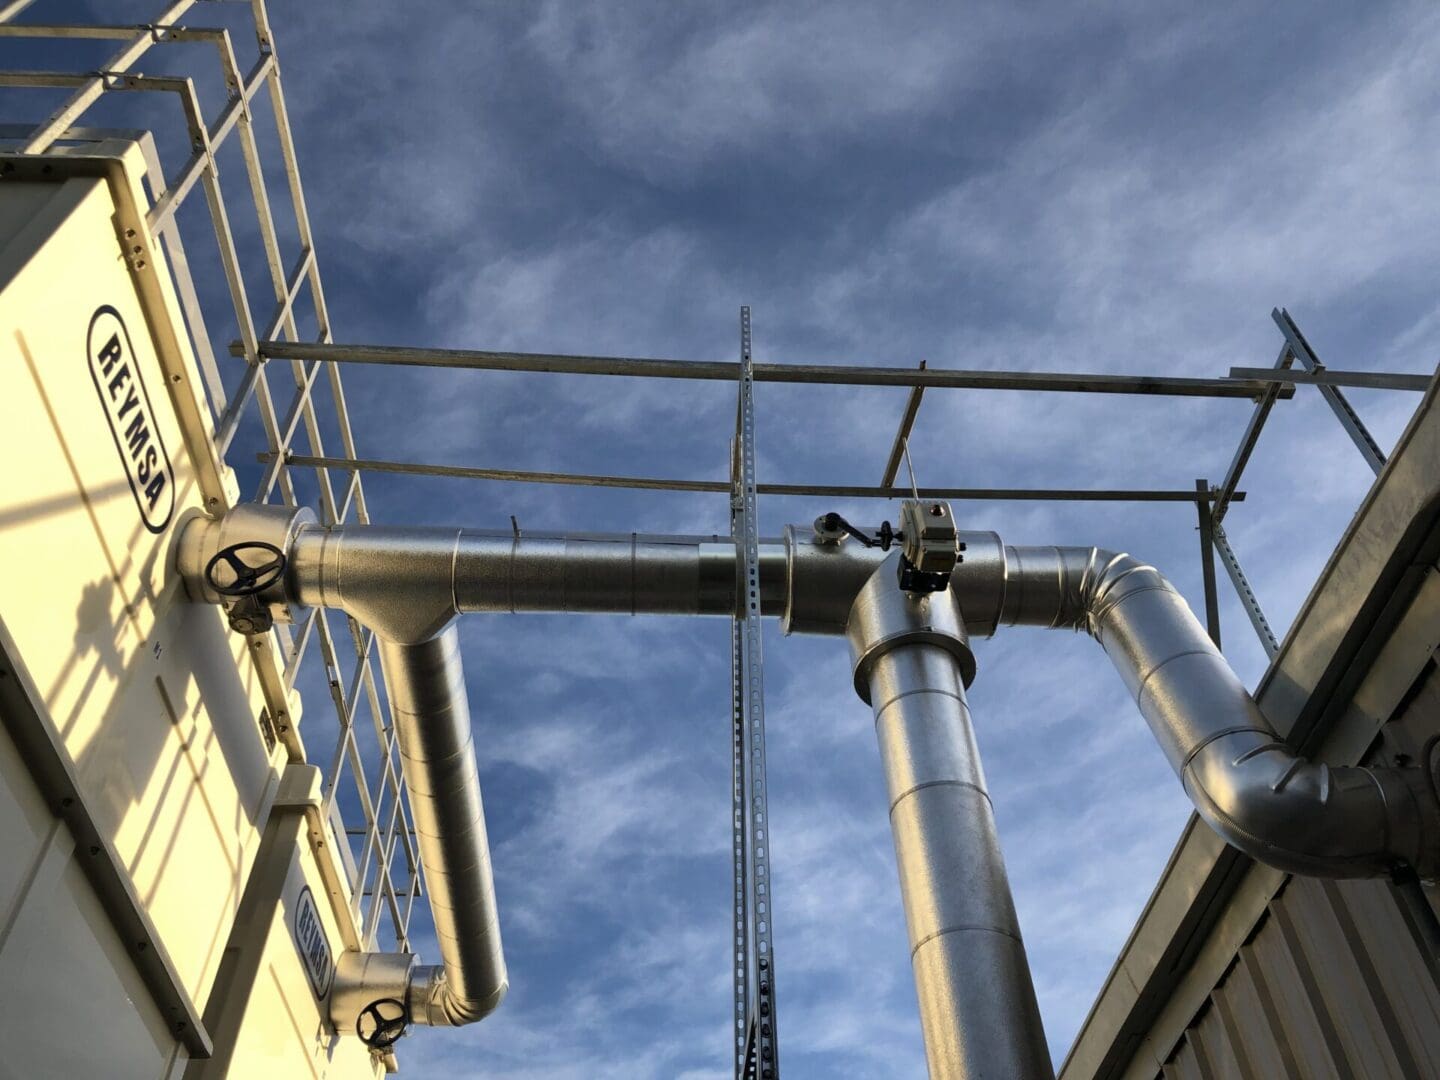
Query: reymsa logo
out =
(311, 943)
(132, 419)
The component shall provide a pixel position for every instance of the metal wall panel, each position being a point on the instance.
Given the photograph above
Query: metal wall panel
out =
(95, 1020)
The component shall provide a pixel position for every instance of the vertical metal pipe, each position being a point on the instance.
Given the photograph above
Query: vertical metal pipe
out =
(432, 726)
(978, 1011)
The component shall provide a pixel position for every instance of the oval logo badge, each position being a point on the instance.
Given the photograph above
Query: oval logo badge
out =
(131, 418)
(311, 944)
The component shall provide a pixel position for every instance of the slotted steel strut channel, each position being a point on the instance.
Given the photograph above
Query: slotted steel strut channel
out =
(1359, 434)
(1248, 600)
(756, 1052)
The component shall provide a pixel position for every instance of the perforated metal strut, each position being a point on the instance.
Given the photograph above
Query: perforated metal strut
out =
(756, 1053)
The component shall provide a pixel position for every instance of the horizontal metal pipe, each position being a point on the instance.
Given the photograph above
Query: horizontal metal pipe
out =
(408, 583)
(655, 483)
(1285, 811)
(729, 371)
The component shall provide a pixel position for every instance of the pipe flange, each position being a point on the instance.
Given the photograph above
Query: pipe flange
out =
(884, 617)
(248, 527)
(363, 978)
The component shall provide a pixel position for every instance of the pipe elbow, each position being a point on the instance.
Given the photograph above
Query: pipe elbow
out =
(435, 1003)
(1285, 811)
(1306, 817)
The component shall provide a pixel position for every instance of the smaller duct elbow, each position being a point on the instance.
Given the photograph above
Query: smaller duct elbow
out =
(433, 1000)
(394, 987)
(1283, 810)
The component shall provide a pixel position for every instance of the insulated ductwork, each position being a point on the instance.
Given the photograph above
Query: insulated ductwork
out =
(407, 585)
(1285, 811)
(977, 1002)
(431, 713)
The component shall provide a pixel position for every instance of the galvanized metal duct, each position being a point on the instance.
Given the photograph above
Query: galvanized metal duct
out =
(431, 713)
(408, 584)
(412, 581)
(1293, 814)
(978, 1010)
(1297, 815)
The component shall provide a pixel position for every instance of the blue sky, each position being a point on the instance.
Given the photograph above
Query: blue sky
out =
(1125, 187)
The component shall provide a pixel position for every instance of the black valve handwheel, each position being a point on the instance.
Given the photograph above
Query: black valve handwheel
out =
(249, 579)
(385, 1031)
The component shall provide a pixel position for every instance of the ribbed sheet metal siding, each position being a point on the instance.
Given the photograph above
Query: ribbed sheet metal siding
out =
(1333, 983)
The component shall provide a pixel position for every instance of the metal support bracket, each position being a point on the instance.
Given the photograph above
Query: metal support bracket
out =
(1207, 559)
(1245, 592)
(1369, 449)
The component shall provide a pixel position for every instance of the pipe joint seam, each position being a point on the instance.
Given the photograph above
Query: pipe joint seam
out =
(908, 792)
(965, 929)
(884, 618)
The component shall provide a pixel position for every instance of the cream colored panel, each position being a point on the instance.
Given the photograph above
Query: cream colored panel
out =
(71, 1004)
(154, 698)
(284, 1032)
